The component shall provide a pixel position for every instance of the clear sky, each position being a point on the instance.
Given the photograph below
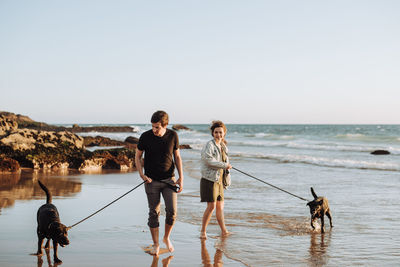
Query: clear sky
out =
(289, 61)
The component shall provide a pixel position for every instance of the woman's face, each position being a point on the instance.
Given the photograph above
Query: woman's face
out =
(218, 133)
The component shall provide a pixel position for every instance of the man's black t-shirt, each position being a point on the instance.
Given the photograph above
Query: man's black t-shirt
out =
(158, 154)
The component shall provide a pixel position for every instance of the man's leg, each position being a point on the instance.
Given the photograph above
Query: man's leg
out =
(153, 198)
(170, 200)
(156, 245)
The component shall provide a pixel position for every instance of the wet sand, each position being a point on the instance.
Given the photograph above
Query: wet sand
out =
(114, 237)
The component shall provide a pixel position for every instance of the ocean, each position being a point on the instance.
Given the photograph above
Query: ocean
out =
(272, 228)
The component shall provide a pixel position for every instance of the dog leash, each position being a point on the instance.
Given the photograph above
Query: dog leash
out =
(69, 227)
(269, 184)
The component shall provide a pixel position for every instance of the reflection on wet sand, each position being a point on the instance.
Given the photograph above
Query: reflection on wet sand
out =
(205, 257)
(319, 244)
(23, 186)
(40, 261)
(165, 262)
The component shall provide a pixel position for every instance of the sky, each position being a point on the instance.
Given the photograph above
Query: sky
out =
(273, 62)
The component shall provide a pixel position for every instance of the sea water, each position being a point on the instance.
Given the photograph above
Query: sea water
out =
(272, 228)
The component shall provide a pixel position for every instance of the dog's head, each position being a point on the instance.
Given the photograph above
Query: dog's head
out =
(315, 206)
(59, 233)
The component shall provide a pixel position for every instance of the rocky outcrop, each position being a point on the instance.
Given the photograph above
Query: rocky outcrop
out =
(90, 141)
(120, 159)
(380, 152)
(132, 140)
(26, 122)
(178, 127)
(43, 149)
(7, 125)
(8, 165)
(105, 129)
(40, 149)
(185, 146)
(24, 139)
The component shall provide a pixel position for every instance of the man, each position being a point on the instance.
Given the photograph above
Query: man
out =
(161, 154)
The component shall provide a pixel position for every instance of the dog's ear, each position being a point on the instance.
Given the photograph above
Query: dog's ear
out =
(313, 193)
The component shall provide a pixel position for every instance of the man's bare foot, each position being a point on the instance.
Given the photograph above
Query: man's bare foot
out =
(155, 250)
(169, 245)
(203, 235)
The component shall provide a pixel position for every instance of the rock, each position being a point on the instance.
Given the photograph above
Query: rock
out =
(26, 122)
(105, 129)
(121, 159)
(132, 140)
(185, 147)
(90, 141)
(7, 125)
(8, 165)
(380, 152)
(25, 139)
(43, 149)
(178, 127)
(59, 150)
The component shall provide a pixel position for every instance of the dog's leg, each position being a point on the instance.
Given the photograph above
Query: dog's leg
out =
(47, 246)
(40, 242)
(328, 214)
(55, 256)
(322, 224)
(312, 223)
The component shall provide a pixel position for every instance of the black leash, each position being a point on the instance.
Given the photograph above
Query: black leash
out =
(105, 206)
(269, 184)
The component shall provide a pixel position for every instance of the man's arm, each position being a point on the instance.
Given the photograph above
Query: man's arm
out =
(139, 166)
(179, 167)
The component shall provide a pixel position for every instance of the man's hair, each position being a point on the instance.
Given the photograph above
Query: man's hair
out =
(161, 117)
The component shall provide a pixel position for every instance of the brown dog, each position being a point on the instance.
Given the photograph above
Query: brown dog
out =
(319, 207)
(50, 227)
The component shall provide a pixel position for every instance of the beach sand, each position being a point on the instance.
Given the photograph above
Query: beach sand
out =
(114, 237)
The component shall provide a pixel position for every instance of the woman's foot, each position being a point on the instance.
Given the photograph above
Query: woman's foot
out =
(203, 235)
(225, 233)
(155, 250)
(169, 245)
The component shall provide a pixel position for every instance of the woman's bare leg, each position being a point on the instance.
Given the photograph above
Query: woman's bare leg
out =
(206, 219)
(220, 217)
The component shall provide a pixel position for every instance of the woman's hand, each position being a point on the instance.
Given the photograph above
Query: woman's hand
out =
(229, 166)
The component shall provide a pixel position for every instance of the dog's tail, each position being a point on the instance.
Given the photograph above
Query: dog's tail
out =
(313, 193)
(48, 195)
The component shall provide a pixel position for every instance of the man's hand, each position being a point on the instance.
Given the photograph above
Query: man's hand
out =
(180, 184)
(146, 179)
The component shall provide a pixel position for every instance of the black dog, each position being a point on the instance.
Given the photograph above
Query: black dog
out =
(319, 207)
(50, 227)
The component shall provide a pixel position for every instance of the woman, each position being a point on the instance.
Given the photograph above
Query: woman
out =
(214, 163)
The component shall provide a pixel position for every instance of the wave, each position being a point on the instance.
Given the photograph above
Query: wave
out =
(324, 162)
(316, 146)
(270, 136)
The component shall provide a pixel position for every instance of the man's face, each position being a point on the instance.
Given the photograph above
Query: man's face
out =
(158, 129)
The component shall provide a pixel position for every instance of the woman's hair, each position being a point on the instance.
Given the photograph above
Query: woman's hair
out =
(216, 124)
(161, 117)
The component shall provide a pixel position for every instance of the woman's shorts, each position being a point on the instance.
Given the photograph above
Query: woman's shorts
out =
(211, 191)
